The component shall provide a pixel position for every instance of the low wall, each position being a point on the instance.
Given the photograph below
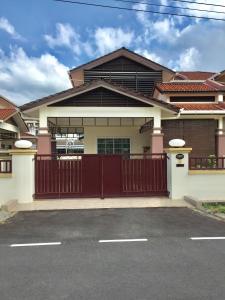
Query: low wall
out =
(200, 184)
(7, 188)
(207, 185)
(19, 184)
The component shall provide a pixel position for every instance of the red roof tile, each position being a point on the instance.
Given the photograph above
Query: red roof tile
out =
(194, 75)
(176, 87)
(201, 106)
(5, 113)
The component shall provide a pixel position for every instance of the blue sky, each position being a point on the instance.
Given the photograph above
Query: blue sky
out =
(41, 39)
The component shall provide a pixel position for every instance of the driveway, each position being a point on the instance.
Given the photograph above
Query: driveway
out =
(160, 260)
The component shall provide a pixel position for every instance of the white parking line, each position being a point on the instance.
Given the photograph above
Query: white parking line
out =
(123, 241)
(35, 244)
(208, 238)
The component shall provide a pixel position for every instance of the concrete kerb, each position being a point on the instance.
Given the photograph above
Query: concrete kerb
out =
(199, 205)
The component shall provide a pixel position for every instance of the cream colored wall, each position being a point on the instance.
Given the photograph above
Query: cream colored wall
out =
(206, 186)
(137, 140)
(20, 184)
(7, 188)
(203, 185)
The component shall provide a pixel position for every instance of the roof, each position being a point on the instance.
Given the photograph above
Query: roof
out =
(6, 113)
(93, 85)
(179, 87)
(201, 106)
(28, 135)
(121, 52)
(6, 102)
(196, 75)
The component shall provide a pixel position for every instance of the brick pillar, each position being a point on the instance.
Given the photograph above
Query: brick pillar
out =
(157, 141)
(44, 141)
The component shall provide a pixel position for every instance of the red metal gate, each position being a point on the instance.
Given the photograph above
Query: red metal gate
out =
(92, 175)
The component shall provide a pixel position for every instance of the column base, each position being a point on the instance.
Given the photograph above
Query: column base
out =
(157, 143)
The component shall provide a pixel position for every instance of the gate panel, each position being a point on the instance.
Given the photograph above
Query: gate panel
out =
(111, 176)
(144, 176)
(91, 175)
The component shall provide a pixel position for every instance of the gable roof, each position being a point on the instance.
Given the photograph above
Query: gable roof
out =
(6, 113)
(94, 85)
(191, 86)
(6, 103)
(122, 52)
(194, 75)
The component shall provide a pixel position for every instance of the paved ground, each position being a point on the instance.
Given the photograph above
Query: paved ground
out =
(167, 266)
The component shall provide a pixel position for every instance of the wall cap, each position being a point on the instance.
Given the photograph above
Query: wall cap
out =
(22, 152)
(206, 172)
(177, 150)
(6, 175)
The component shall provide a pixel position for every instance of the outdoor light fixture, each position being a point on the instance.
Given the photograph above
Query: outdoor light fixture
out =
(23, 144)
(177, 143)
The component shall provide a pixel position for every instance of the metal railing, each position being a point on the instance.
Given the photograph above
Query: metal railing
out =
(207, 163)
(5, 166)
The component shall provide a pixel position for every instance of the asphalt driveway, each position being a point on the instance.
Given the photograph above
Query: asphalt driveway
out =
(160, 262)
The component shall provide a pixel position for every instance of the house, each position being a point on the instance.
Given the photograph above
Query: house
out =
(125, 103)
(11, 124)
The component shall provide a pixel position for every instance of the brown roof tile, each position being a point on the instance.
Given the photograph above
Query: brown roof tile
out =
(201, 106)
(179, 87)
(5, 113)
(196, 75)
(96, 84)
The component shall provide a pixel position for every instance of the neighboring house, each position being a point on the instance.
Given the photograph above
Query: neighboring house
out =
(11, 124)
(125, 103)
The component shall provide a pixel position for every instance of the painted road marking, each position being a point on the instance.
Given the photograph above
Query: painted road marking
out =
(35, 244)
(123, 241)
(208, 238)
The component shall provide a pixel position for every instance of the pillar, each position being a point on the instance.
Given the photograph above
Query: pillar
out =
(156, 142)
(23, 174)
(44, 141)
(177, 172)
(44, 137)
(220, 139)
(156, 135)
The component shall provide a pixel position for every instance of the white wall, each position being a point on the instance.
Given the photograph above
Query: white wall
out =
(200, 184)
(206, 186)
(137, 140)
(7, 190)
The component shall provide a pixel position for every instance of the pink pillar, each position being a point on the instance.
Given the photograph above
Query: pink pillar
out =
(220, 143)
(44, 142)
(156, 143)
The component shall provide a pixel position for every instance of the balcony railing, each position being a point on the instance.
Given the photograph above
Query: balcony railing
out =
(5, 166)
(207, 163)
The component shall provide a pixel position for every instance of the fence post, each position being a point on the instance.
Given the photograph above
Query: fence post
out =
(177, 172)
(23, 174)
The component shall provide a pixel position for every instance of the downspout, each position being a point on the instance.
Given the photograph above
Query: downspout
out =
(174, 118)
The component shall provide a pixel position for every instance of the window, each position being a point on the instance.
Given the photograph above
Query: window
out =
(113, 146)
(192, 99)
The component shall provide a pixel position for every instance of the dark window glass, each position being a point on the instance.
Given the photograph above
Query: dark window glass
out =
(113, 146)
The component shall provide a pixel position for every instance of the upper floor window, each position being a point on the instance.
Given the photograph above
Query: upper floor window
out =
(192, 99)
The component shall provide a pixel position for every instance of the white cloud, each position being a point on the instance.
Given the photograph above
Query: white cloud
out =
(149, 55)
(184, 43)
(24, 78)
(9, 28)
(188, 60)
(108, 39)
(66, 36)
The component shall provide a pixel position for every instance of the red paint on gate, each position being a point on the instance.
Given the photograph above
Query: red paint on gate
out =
(91, 175)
